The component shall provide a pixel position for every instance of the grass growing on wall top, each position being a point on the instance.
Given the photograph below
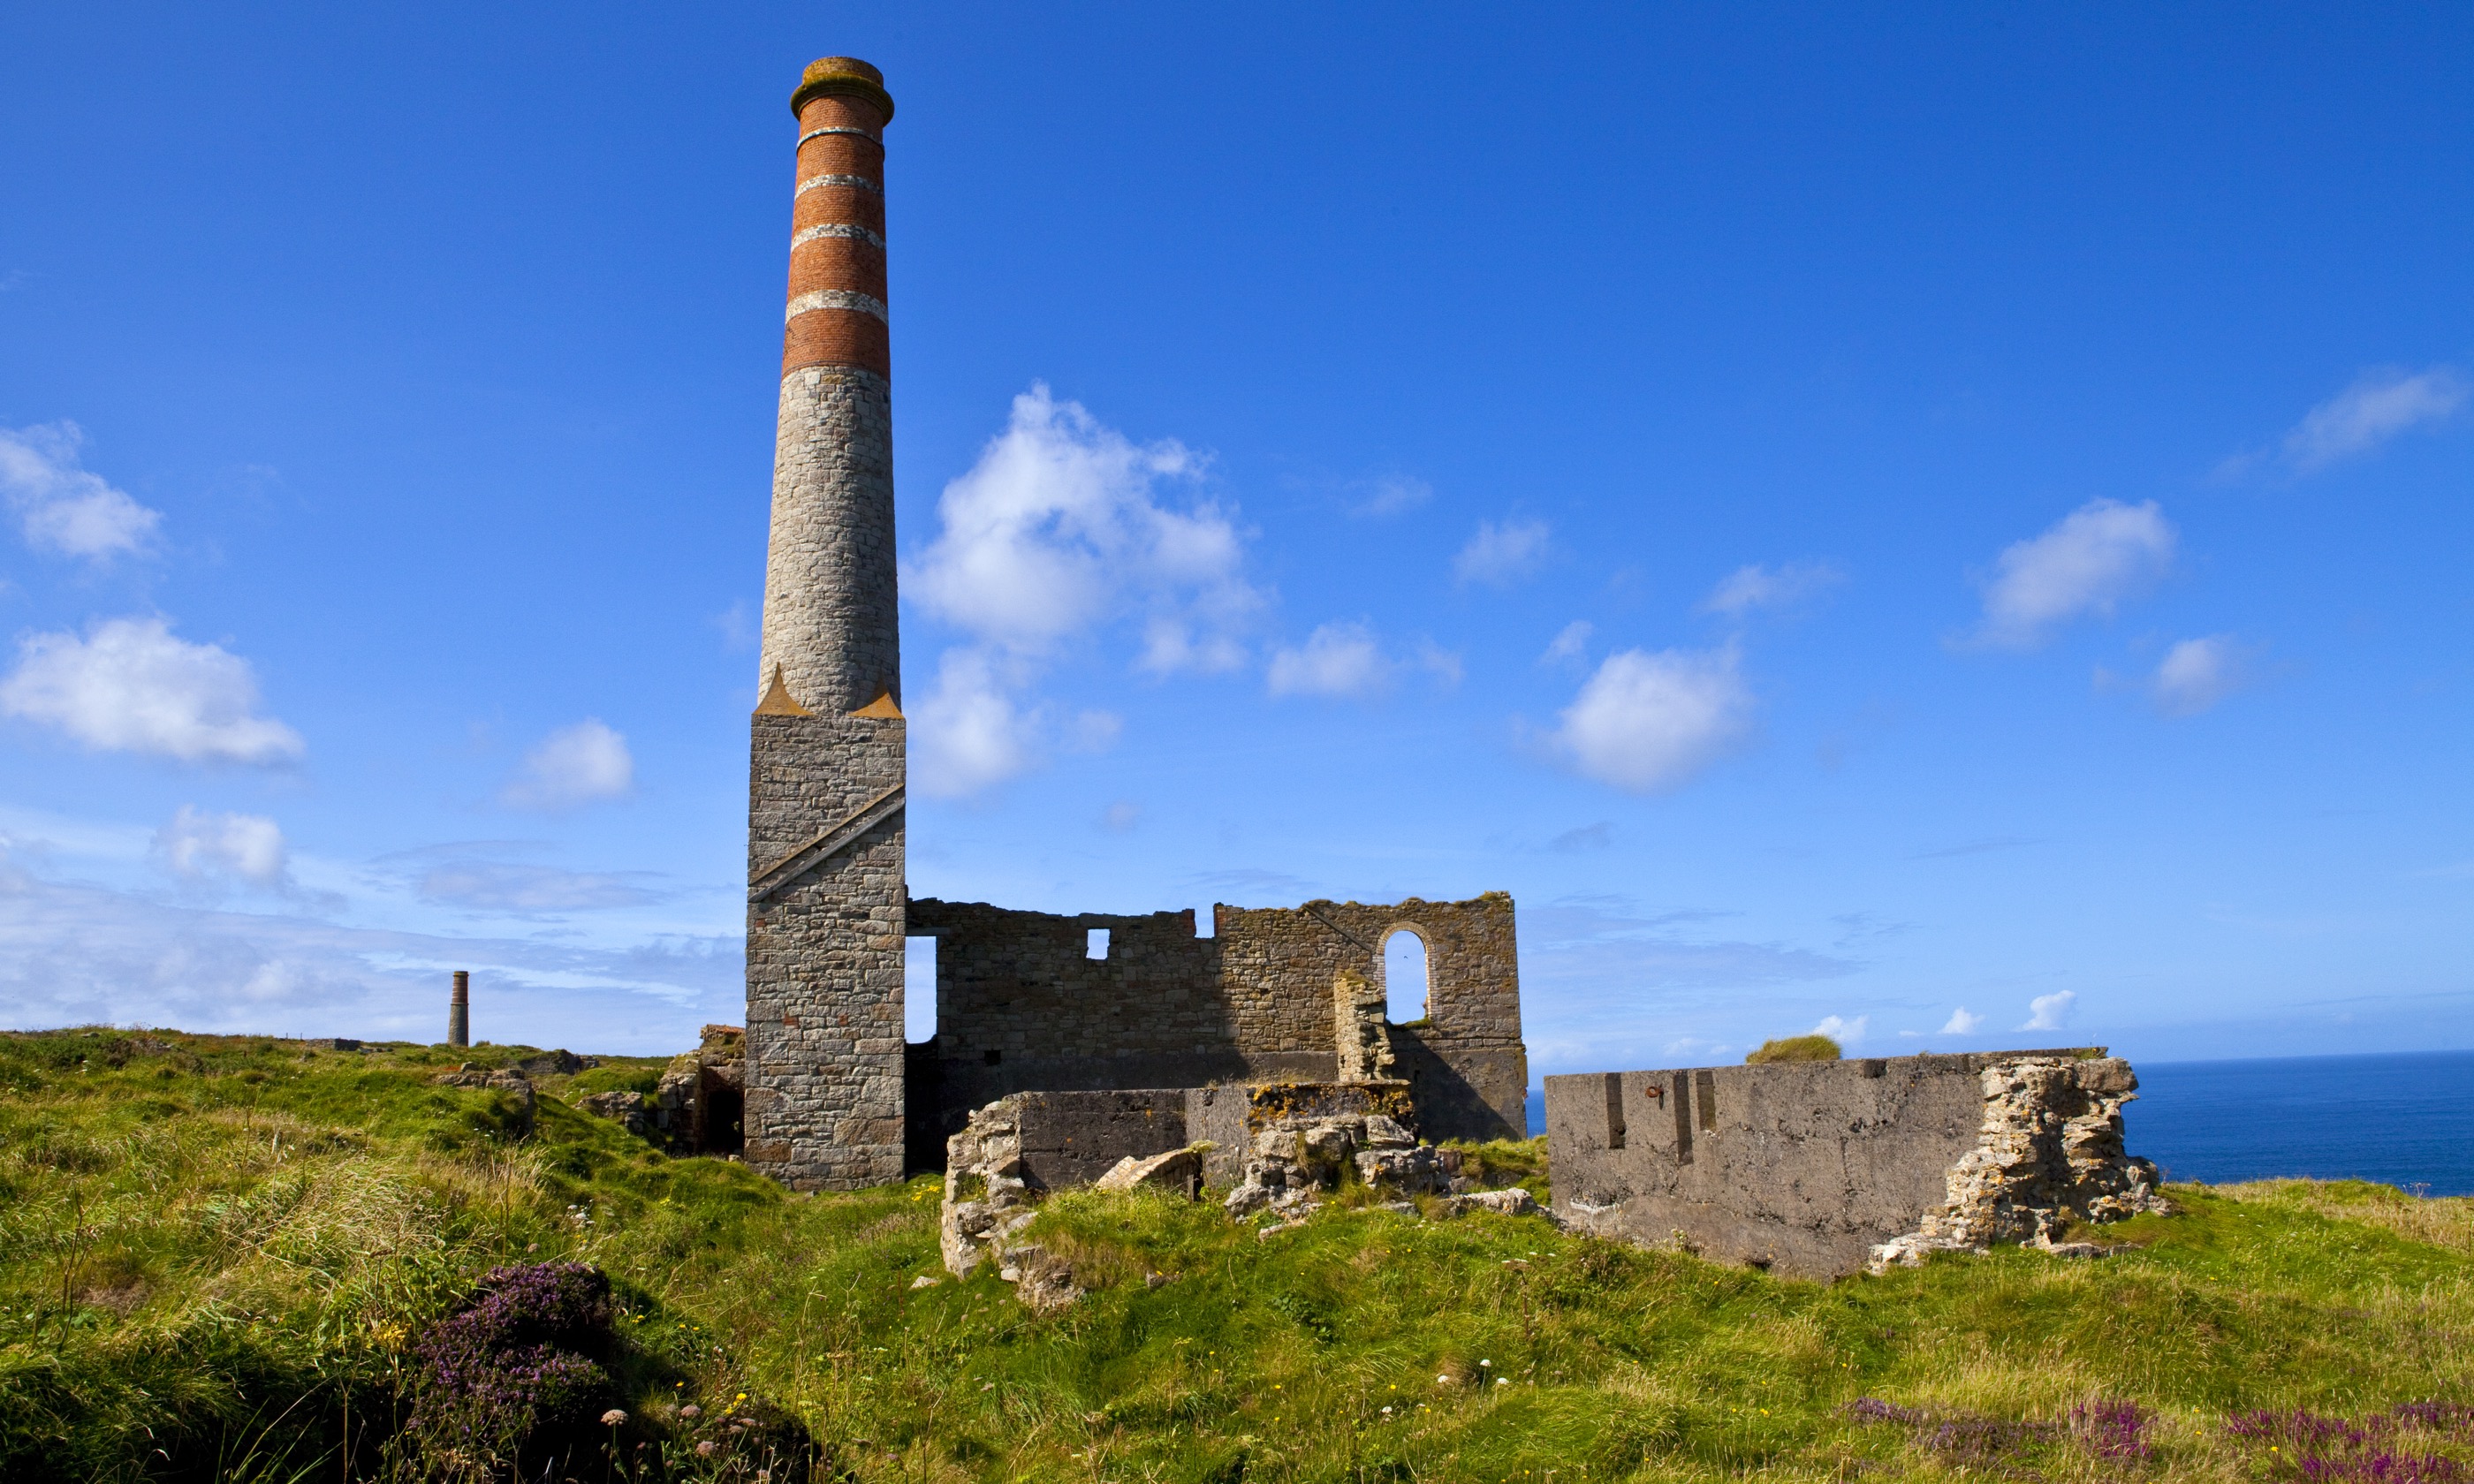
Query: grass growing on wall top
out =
(213, 1256)
(1795, 1048)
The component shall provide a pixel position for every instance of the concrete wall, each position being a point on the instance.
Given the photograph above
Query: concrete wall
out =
(1021, 1007)
(1802, 1167)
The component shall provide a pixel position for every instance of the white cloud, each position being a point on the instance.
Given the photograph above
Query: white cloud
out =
(967, 733)
(1057, 529)
(1389, 494)
(1846, 1033)
(2374, 409)
(1121, 816)
(1057, 532)
(1748, 588)
(2195, 674)
(1501, 555)
(1443, 664)
(1337, 659)
(202, 847)
(573, 766)
(1962, 1023)
(1646, 722)
(2089, 562)
(130, 686)
(2048, 1012)
(1096, 731)
(64, 508)
(1569, 644)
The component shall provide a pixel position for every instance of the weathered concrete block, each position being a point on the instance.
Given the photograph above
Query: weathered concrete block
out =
(1807, 1167)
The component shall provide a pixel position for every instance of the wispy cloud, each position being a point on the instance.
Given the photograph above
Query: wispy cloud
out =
(1584, 838)
(573, 766)
(1757, 587)
(1600, 972)
(131, 685)
(523, 888)
(2089, 563)
(1569, 644)
(1646, 723)
(1845, 1032)
(1501, 555)
(76, 954)
(2376, 408)
(1339, 661)
(2195, 674)
(1388, 494)
(63, 508)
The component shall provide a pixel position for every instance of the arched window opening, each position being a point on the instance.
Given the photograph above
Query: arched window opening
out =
(918, 990)
(1404, 977)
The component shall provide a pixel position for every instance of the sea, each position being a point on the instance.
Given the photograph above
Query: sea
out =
(2405, 1119)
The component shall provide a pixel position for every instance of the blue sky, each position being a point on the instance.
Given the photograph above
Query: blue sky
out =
(1949, 526)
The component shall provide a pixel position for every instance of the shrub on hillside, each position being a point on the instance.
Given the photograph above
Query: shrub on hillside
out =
(1796, 1048)
(515, 1374)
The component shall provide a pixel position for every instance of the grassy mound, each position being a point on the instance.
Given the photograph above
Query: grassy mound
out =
(219, 1257)
(1795, 1048)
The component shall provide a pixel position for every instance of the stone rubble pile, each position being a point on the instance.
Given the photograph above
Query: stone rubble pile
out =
(1292, 1162)
(992, 1196)
(473, 1075)
(2050, 1152)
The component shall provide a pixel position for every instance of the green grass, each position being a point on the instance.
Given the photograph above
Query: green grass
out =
(212, 1256)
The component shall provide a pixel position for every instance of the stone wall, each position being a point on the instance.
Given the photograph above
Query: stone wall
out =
(825, 1054)
(1021, 1006)
(1811, 1168)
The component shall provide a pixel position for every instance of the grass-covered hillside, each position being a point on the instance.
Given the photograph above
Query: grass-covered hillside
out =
(229, 1258)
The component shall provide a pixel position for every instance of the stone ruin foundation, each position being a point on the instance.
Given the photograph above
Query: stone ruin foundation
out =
(1820, 1169)
(1275, 1148)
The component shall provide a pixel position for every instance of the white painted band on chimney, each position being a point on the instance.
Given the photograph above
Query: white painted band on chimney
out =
(836, 298)
(855, 183)
(839, 230)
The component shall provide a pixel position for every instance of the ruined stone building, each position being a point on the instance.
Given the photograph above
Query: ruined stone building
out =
(834, 1097)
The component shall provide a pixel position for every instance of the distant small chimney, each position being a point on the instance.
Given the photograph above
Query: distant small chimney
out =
(459, 1011)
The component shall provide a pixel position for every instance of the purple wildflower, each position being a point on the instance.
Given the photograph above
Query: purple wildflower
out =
(2113, 1430)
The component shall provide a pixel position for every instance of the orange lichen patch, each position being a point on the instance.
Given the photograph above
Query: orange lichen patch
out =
(882, 708)
(777, 700)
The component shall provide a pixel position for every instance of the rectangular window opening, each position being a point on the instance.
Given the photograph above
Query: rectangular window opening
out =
(918, 990)
(1097, 945)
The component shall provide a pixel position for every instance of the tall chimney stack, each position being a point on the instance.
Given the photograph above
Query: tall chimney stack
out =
(831, 630)
(825, 835)
(459, 1010)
